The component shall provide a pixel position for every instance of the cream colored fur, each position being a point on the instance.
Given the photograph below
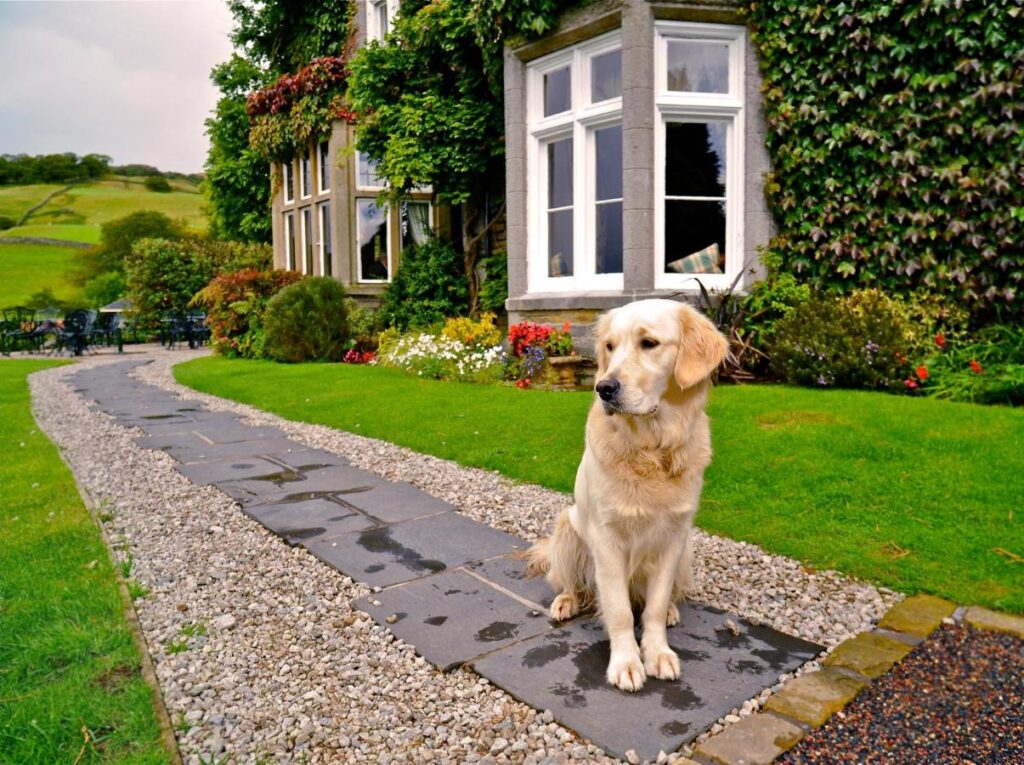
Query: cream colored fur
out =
(626, 540)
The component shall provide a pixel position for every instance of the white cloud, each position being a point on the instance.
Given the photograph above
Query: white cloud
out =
(127, 79)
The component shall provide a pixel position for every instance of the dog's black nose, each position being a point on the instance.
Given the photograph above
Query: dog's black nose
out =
(608, 389)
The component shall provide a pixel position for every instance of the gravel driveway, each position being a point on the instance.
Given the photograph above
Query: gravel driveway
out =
(287, 671)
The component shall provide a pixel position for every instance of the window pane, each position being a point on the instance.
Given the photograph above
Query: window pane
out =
(367, 173)
(415, 223)
(695, 159)
(289, 241)
(609, 238)
(289, 182)
(606, 76)
(325, 168)
(307, 239)
(372, 225)
(698, 67)
(560, 173)
(325, 238)
(557, 91)
(560, 243)
(694, 237)
(608, 147)
(304, 177)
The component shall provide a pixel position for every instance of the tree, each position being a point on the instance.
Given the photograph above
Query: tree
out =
(117, 238)
(279, 36)
(430, 105)
(237, 178)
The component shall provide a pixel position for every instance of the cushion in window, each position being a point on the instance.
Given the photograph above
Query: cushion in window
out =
(701, 262)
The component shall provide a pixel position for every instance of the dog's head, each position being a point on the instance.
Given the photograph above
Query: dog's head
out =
(648, 346)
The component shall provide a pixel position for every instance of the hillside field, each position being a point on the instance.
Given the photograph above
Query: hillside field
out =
(75, 215)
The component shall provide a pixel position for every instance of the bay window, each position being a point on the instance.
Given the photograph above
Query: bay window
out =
(288, 176)
(380, 17)
(324, 219)
(323, 167)
(289, 241)
(307, 241)
(305, 177)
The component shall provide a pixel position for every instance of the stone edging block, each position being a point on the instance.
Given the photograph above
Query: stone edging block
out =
(918, 615)
(816, 696)
(868, 654)
(755, 740)
(984, 619)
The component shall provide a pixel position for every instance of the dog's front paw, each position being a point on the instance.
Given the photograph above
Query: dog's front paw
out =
(662, 664)
(673, 615)
(625, 671)
(565, 606)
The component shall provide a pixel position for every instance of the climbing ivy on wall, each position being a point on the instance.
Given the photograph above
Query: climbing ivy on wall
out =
(896, 142)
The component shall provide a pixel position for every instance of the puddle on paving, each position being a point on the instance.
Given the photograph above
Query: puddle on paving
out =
(435, 621)
(158, 416)
(242, 466)
(497, 631)
(379, 540)
(280, 478)
(313, 531)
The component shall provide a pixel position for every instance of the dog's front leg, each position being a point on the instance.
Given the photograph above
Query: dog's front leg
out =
(625, 670)
(660, 660)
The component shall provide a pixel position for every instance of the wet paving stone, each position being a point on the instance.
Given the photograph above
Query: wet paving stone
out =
(510, 573)
(230, 469)
(564, 671)
(298, 521)
(300, 457)
(191, 449)
(387, 555)
(290, 485)
(392, 502)
(453, 617)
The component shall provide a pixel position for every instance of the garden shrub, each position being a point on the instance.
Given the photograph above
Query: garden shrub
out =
(770, 299)
(157, 183)
(861, 340)
(235, 304)
(436, 356)
(428, 287)
(163, 276)
(481, 333)
(987, 370)
(105, 288)
(364, 326)
(894, 134)
(494, 290)
(308, 321)
(118, 236)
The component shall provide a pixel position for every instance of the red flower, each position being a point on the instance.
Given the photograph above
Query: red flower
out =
(922, 372)
(940, 340)
(976, 367)
(523, 384)
(910, 383)
(566, 327)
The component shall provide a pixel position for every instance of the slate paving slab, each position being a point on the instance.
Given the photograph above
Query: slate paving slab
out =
(453, 617)
(230, 469)
(300, 457)
(299, 521)
(391, 502)
(286, 484)
(510, 573)
(387, 555)
(189, 448)
(564, 671)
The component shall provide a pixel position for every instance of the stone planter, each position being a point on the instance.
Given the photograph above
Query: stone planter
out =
(561, 371)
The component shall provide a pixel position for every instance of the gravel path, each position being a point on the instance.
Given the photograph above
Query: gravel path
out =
(287, 671)
(956, 698)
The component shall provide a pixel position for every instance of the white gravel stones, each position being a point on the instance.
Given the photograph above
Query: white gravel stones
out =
(278, 668)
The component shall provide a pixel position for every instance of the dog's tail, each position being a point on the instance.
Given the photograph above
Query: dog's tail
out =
(537, 557)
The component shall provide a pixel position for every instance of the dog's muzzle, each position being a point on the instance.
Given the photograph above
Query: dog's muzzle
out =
(608, 390)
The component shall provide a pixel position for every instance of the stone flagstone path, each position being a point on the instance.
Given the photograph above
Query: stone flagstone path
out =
(450, 587)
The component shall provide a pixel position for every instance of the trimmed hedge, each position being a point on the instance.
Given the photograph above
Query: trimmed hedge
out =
(896, 143)
(307, 321)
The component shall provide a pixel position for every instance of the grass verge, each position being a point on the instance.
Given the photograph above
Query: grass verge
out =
(29, 268)
(68, 663)
(913, 494)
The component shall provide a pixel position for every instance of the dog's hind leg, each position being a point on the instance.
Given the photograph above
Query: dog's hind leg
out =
(569, 570)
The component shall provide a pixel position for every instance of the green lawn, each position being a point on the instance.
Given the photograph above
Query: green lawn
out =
(914, 494)
(89, 233)
(67, 658)
(28, 268)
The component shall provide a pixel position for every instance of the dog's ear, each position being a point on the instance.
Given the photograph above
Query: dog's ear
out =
(600, 333)
(701, 349)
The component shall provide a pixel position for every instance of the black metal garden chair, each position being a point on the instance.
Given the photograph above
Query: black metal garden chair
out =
(76, 333)
(19, 330)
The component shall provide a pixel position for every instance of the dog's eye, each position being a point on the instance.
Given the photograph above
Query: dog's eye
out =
(609, 346)
(647, 343)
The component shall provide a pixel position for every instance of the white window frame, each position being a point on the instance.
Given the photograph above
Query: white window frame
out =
(676, 106)
(391, 243)
(303, 212)
(289, 240)
(323, 167)
(288, 181)
(360, 158)
(373, 30)
(321, 239)
(578, 123)
(430, 214)
(305, 168)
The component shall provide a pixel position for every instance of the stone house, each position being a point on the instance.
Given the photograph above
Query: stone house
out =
(634, 162)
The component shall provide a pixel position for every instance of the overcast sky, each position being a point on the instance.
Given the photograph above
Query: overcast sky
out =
(126, 78)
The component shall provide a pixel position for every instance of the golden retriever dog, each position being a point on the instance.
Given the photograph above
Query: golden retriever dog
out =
(625, 541)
